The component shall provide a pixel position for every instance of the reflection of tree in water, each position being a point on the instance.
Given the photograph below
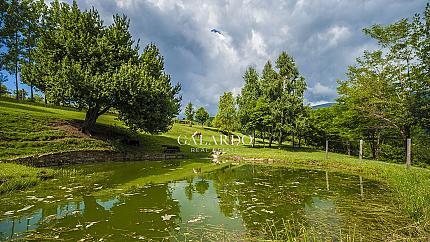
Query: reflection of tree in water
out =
(202, 186)
(134, 215)
(226, 199)
(189, 189)
(262, 193)
(321, 215)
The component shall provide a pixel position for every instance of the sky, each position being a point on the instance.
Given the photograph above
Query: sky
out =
(323, 36)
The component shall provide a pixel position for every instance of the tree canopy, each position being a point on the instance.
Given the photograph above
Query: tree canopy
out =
(226, 119)
(79, 60)
(189, 112)
(202, 115)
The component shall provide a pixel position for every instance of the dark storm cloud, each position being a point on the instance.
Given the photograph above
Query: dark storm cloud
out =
(323, 36)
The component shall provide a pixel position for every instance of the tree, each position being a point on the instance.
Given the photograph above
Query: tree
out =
(11, 32)
(262, 117)
(269, 89)
(289, 101)
(247, 100)
(390, 87)
(189, 112)
(80, 61)
(3, 89)
(31, 32)
(21, 94)
(202, 115)
(226, 118)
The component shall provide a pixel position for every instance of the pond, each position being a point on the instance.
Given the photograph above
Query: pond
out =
(118, 202)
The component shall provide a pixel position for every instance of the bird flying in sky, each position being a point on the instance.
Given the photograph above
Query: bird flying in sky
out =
(216, 31)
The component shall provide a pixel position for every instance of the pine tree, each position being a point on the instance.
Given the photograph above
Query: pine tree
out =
(189, 112)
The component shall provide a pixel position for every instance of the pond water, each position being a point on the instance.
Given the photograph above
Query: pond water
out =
(233, 203)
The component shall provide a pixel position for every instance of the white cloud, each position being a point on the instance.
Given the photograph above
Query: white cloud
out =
(321, 90)
(335, 35)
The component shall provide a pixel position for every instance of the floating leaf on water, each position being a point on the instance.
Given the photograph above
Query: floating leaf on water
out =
(76, 212)
(49, 197)
(130, 194)
(197, 219)
(25, 208)
(90, 224)
(151, 210)
(167, 217)
(266, 211)
(51, 217)
(251, 207)
(9, 213)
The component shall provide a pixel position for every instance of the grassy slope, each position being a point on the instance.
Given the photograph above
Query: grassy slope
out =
(26, 130)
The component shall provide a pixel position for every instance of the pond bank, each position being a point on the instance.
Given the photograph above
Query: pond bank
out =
(89, 156)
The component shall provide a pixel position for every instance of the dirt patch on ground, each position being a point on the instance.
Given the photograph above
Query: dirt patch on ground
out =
(72, 129)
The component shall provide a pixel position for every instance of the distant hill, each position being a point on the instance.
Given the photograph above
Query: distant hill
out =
(324, 105)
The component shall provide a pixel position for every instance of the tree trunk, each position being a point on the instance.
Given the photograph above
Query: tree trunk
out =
(349, 147)
(253, 140)
(280, 139)
(46, 101)
(280, 131)
(406, 136)
(90, 119)
(300, 140)
(270, 137)
(292, 135)
(16, 66)
(378, 139)
(262, 136)
(31, 91)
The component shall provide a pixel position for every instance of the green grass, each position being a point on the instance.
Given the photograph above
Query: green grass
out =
(29, 129)
(16, 177)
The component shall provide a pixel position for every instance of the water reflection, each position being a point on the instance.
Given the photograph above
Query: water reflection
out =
(240, 200)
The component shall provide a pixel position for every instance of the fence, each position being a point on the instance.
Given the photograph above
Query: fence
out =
(358, 148)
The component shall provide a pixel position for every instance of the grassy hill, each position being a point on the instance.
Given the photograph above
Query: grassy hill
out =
(27, 129)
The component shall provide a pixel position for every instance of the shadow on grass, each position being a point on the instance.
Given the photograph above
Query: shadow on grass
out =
(284, 147)
(149, 144)
(23, 107)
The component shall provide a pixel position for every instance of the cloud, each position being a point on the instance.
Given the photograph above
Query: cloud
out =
(323, 36)
(322, 91)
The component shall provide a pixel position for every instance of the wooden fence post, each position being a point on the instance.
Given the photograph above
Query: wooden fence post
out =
(326, 149)
(361, 150)
(408, 153)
